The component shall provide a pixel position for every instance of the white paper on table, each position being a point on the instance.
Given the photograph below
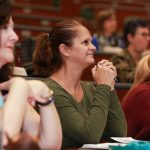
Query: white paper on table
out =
(125, 140)
(102, 145)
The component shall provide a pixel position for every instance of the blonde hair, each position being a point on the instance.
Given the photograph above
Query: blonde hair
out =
(142, 73)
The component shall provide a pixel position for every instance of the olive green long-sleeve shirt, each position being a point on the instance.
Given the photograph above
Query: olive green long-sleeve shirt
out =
(98, 116)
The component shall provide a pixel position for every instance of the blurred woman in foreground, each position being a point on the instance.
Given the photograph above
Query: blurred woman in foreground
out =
(16, 113)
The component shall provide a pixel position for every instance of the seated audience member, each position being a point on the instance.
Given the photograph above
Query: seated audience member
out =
(106, 38)
(16, 114)
(89, 113)
(46, 129)
(137, 37)
(136, 104)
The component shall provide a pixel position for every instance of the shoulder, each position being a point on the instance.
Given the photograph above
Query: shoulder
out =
(137, 102)
(49, 82)
(53, 85)
(122, 58)
(138, 94)
(141, 88)
(61, 96)
(122, 54)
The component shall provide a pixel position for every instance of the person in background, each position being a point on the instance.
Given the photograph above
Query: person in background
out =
(137, 37)
(17, 95)
(136, 104)
(89, 113)
(106, 38)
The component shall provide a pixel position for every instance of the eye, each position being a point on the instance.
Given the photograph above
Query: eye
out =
(4, 27)
(86, 42)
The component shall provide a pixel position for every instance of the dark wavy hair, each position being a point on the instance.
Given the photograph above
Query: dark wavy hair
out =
(5, 13)
(131, 27)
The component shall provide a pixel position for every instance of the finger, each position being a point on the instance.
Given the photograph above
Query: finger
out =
(112, 67)
(40, 99)
(94, 69)
(108, 63)
(102, 61)
(99, 68)
(5, 85)
(5, 96)
(114, 70)
(107, 70)
(31, 101)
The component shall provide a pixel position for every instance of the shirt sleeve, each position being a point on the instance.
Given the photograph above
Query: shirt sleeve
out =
(116, 123)
(85, 128)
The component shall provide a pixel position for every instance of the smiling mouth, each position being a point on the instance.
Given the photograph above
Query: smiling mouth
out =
(10, 48)
(91, 54)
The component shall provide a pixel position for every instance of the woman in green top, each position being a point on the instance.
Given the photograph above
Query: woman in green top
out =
(89, 113)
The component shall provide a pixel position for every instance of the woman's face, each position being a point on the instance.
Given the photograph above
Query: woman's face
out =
(8, 38)
(110, 25)
(82, 50)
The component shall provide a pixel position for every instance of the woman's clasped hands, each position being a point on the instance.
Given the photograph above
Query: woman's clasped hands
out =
(104, 73)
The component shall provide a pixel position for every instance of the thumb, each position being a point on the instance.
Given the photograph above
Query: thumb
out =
(94, 70)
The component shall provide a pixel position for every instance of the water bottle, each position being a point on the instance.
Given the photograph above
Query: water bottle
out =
(1, 118)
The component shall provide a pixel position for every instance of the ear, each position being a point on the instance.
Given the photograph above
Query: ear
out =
(64, 50)
(130, 38)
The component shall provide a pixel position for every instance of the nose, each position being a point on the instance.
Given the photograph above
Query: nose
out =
(14, 37)
(148, 38)
(92, 47)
